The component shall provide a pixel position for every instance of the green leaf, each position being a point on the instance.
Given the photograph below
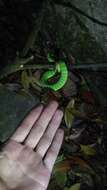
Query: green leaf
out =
(59, 158)
(77, 113)
(86, 149)
(74, 187)
(25, 80)
(61, 178)
(68, 114)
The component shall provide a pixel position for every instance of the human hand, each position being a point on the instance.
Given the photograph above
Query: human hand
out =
(27, 159)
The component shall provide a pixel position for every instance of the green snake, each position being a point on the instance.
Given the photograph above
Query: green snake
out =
(60, 68)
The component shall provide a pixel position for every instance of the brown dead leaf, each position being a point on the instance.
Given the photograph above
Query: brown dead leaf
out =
(68, 114)
(67, 164)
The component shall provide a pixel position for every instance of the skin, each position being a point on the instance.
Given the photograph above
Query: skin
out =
(27, 160)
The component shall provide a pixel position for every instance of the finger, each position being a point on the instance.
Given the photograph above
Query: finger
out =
(54, 150)
(47, 139)
(27, 124)
(41, 125)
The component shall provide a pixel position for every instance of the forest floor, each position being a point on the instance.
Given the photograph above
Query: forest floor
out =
(35, 29)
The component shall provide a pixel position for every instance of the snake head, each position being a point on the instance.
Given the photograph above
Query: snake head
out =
(50, 57)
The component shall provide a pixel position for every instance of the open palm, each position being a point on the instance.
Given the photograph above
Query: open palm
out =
(27, 159)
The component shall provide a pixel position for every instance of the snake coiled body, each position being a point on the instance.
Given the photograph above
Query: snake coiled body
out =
(21, 64)
(61, 68)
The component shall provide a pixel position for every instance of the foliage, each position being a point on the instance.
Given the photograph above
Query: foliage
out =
(87, 150)
(44, 28)
(68, 115)
(61, 178)
(74, 187)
